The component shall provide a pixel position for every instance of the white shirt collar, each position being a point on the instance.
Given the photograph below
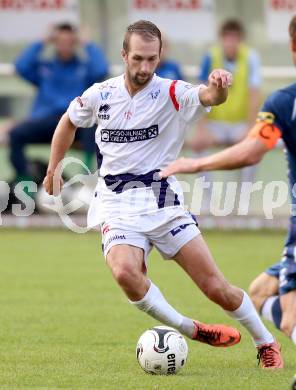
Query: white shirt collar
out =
(142, 92)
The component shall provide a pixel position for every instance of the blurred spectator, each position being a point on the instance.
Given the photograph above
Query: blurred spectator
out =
(58, 80)
(228, 123)
(167, 68)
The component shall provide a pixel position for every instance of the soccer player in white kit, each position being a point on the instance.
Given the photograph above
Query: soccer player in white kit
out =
(142, 121)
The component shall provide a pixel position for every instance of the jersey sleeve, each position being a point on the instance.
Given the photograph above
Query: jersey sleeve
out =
(185, 98)
(269, 126)
(82, 110)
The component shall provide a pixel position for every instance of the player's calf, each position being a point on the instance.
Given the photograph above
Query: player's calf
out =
(288, 321)
(218, 290)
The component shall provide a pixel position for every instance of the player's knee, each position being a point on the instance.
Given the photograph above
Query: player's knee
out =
(125, 274)
(261, 288)
(255, 295)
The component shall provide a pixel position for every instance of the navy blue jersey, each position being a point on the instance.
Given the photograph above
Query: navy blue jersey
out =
(282, 105)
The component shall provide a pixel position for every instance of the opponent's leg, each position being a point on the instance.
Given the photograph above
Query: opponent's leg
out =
(264, 292)
(195, 258)
(287, 282)
(275, 290)
(126, 263)
(262, 288)
(288, 322)
(281, 311)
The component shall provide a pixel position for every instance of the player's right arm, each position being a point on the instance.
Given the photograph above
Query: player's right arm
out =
(61, 142)
(81, 113)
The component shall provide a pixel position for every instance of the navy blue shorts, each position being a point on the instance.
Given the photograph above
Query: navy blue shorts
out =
(285, 270)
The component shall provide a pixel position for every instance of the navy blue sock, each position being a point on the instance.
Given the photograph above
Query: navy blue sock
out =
(276, 312)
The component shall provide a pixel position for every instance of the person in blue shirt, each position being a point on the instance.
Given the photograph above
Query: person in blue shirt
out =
(57, 80)
(274, 291)
(167, 68)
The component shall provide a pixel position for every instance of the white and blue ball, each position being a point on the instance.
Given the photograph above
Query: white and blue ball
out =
(162, 350)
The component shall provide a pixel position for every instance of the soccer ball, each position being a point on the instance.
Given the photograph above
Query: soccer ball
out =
(162, 350)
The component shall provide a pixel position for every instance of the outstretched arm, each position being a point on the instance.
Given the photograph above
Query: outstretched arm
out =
(248, 152)
(261, 138)
(217, 90)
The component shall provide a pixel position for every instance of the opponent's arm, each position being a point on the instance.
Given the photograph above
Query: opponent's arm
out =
(247, 152)
(217, 90)
(250, 151)
(61, 142)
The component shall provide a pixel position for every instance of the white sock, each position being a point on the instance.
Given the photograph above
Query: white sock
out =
(293, 335)
(247, 315)
(266, 310)
(155, 304)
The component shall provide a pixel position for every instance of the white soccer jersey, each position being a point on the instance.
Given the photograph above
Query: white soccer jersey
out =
(135, 137)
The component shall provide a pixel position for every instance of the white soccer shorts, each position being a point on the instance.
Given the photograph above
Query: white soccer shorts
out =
(168, 238)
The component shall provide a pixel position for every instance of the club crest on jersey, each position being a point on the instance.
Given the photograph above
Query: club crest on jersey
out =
(104, 108)
(154, 94)
(79, 101)
(128, 115)
(267, 117)
(105, 95)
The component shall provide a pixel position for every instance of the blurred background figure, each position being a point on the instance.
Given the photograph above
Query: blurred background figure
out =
(58, 79)
(228, 123)
(168, 68)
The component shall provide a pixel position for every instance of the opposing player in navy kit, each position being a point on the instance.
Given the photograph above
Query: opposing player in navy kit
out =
(142, 120)
(274, 291)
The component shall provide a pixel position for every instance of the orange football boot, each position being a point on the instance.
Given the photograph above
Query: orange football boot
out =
(216, 335)
(269, 356)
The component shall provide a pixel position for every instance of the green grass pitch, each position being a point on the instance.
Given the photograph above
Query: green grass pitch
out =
(65, 324)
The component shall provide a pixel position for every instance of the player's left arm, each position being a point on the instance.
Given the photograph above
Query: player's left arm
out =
(262, 137)
(216, 91)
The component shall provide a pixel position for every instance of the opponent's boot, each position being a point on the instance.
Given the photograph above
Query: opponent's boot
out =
(269, 356)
